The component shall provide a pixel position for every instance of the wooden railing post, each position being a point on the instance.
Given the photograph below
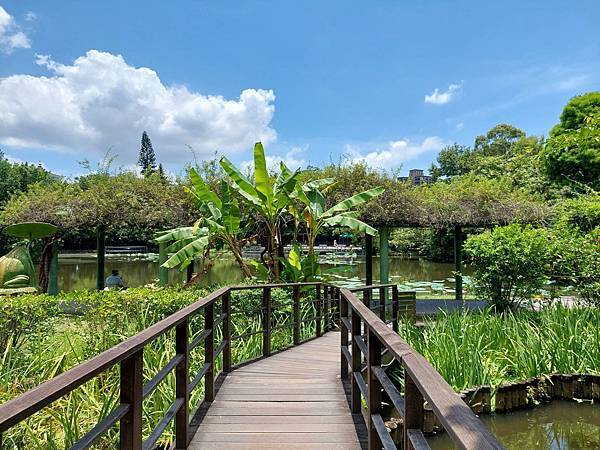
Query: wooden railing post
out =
(266, 321)
(296, 300)
(226, 309)
(326, 300)
(132, 385)
(413, 408)
(382, 299)
(367, 298)
(338, 300)
(181, 384)
(344, 337)
(356, 359)
(209, 352)
(319, 313)
(395, 308)
(374, 388)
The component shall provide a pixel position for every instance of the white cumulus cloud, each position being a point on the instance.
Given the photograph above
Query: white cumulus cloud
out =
(101, 102)
(395, 153)
(11, 36)
(438, 97)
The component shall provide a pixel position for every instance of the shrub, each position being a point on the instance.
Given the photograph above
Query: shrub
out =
(510, 263)
(22, 316)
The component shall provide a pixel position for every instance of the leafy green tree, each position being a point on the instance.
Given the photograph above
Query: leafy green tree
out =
(509, 263)
(147, 158)
(17, 177)
(453, 160)
(576, 112)
(499, 141)
(572, 155)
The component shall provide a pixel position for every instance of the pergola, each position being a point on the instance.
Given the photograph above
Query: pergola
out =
(449, 206)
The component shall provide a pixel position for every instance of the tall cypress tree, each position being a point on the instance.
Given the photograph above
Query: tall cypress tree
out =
(147, 159)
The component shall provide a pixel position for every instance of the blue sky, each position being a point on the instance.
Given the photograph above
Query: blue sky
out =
(388, 82)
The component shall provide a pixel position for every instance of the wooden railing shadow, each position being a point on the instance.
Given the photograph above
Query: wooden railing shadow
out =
(331, 308)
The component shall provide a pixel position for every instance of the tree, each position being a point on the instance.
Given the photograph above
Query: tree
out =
(147, 158)
(576, 111)
(17, 177)
(572, 153)
(452, 160)
(499, 141)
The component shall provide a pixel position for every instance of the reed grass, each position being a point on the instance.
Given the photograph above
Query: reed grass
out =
(471, 349)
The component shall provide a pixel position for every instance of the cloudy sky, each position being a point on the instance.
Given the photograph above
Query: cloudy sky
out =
(386, 82)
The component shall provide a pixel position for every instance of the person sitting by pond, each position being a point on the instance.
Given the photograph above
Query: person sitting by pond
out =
(114, 281)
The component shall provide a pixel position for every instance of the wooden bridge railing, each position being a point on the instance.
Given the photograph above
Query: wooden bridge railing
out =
(217, 309)
(370, 336)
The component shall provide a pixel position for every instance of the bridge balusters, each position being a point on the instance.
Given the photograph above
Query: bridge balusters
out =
(344, 335)
(356, 360)
(209, 352)
(395, 308)
(382, 300)
(413, 408)
(374, 388)
(182, 383)
(132, 394)
(296, 301)
(319, 308)
(226, 310)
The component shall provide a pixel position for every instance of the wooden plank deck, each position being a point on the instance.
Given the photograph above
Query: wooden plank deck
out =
(293, 400)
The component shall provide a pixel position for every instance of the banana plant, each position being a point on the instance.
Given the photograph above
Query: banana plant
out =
(316, 217)
(268, 196)
(221, 219)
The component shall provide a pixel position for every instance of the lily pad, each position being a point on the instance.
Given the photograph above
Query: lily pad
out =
(31, 230)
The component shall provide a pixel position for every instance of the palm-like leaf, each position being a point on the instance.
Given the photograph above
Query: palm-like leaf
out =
(240, 183)
(201, 191)
(350, 222)
(186, 254)
(261, 175)
(354, 201)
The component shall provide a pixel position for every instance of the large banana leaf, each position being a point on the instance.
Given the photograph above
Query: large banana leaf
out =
(261, 175)
(231, 211)
(175, 234)
(240, 183)
(316, 203)
(201, 191)
(183, 257)
(354, 201)
(352, 223)
(318, 184)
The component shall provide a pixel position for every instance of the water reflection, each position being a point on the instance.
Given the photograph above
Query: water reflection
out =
(559, 425)
(79, 271)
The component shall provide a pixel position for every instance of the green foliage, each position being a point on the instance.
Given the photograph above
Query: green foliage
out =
(576, 261)
(576, 112)
(23, 317)
(582, 212)
(510, 263)
(471, 349)
(572, 156)
(147, 158)
(18, 177)
(131, 208)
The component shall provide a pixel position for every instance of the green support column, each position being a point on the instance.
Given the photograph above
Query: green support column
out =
(458, 267)
(384, 259)
(100, 255)
(384, 255)
(369, 259)
(53, 272)
(163, 273)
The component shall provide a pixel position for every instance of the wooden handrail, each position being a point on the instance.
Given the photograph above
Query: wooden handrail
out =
(422, 382)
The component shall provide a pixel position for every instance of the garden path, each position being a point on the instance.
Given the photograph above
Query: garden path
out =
(292, 400)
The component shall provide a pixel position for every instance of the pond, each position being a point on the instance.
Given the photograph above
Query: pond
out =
(559, 425)
(78, 271)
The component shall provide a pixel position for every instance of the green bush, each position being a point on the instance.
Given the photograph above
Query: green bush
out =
(24, 316)
(510, 263)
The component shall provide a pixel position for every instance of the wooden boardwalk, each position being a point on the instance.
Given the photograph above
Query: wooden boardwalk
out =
(294, 399)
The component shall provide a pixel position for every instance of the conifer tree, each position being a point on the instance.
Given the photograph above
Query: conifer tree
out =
(147, 158)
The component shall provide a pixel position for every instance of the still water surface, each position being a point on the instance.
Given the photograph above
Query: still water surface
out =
(559, 425)
(78, 271)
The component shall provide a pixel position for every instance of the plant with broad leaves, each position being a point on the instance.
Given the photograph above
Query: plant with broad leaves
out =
(221, 219)
(269, 196)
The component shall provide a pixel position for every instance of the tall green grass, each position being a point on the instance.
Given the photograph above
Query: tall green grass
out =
(471, 349)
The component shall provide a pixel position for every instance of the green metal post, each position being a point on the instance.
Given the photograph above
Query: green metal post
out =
(384, 259)
(163, 273)
(100, 252)
(369, 259)
(458, 267)
(53, 272)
